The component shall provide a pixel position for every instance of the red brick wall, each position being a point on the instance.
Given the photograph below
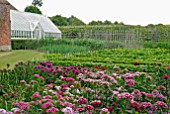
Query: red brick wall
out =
(5, 40)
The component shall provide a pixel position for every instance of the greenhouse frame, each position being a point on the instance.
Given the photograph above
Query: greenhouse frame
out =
(30, 25)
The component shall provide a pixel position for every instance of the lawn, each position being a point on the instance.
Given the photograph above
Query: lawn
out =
(16, 56)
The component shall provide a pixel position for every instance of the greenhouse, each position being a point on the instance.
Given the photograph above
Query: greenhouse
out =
(30, 25)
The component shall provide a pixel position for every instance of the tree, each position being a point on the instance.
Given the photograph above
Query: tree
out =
(74, 21)
(33, 9)
(37, 3)
(116, 23)
(106, 22)
(95, 23)
(64, 21)
(59, 20)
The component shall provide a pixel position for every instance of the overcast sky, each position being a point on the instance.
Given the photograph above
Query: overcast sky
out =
(132, 12)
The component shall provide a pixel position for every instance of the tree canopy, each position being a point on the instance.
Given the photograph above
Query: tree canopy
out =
(33, 9)
(59, 20)
(37, 3)
(106, 22)
(64, 21)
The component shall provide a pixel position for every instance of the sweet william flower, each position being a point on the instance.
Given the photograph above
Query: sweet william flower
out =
(110, 109)
(82, 101)
(22, 105)
(161, 104)
(16, 110)
(68, 110)
(104, 111)
(135, 63)
(36, 95)
(2, 111)
(130, 82)
(96, 103)
(80, 109)
(23, 81)
(89, 107)
(52, 110)
(145, 105)
(166, 77)
(47, 104)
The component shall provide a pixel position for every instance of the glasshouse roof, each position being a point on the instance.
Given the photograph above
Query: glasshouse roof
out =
(24, 21)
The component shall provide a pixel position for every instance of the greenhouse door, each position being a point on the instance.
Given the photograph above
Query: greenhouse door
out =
(38, 33)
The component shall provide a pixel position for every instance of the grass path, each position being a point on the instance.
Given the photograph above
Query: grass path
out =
(16, 56)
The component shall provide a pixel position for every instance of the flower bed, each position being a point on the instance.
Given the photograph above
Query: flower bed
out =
(46, 88)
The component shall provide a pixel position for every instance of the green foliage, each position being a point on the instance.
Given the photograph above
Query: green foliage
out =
(64, 45)
(134, 59)
(64, 49)
(33, 9)
(24, 44)
(95, 23)
(59, 20)
(64, 21)
(165, 45)
(74, 21)
(106, 22)
(37, 3)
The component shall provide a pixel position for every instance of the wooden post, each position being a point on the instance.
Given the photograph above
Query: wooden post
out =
(5, 32)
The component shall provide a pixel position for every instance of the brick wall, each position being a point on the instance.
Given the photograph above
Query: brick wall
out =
(5, 40)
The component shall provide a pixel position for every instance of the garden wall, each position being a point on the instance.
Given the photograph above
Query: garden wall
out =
(5, 41)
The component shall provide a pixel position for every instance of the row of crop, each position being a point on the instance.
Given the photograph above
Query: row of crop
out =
(135, 57)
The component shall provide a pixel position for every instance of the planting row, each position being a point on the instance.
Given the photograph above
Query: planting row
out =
(137, 57)
(43, 88)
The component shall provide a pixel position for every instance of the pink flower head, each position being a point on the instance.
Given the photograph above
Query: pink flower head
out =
(145, 105)
(38, 102)
(137, 93)
(135, 104)
(28, 85)
(36, 95)
(49, 86)
(68, 110)
(161, 104)
(47, 97)
(104, 110)
(89, 107)
(52, 110)
(80, 109)
(23, 81)
(82, 101)
(96, 103)
(22, 105)
(69, 79)
(166, 76)
(130, 82)
(16, 110)
(3, 111)
(68, 104)
(47, 104)
(38, 76)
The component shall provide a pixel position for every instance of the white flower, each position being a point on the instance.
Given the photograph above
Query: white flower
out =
(77, 91)
(58, 87)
